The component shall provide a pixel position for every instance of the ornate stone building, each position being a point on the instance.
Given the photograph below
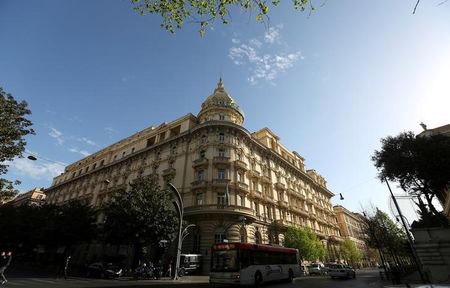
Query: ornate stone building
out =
(235, 185)
(351, 226)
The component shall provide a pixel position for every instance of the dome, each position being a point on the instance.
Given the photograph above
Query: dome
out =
(220, 106)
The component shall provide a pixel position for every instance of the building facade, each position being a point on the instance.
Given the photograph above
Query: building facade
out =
(351, 226)
(32, 197)
(235, 185)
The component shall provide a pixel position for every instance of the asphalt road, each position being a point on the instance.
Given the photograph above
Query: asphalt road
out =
(364, 279)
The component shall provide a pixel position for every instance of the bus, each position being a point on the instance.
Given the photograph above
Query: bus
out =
(252, 264)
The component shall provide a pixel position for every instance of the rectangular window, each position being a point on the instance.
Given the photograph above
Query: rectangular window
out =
(239, 177)
(151, 141)
(199, 199)
(220, 199)
(102, 162)
(202, 154)
(95, 165)
(221, 173)
(200, 175)
(242, 200)
(221, 137)
(221, 152)
(175, 131)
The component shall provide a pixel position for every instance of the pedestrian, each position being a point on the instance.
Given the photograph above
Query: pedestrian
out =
(5, 259)
(169, 270)
(66, 266)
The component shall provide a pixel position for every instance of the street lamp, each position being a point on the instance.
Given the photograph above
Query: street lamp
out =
(179, 207)
(410, 240)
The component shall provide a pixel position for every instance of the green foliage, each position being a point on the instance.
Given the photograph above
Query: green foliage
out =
(143, 214)
(13, 128)
(383, 233)
(350, 252)
(206, 12)
(307, 243)
(421, 165)
(27, 226)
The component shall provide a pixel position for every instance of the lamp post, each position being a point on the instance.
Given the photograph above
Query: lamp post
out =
(179, 207)
(410, 241)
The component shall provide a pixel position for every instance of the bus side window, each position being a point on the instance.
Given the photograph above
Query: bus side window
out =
(245, 259)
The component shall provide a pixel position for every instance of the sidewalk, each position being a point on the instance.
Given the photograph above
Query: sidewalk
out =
(413, 280)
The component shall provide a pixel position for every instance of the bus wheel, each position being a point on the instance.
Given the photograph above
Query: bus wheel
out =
(181, 272)
(258, 279)
(291, 276)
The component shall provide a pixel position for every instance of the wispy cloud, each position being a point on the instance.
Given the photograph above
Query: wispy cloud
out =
(87, 141)
(110, 131)
(35, 170)
(273, 34)
(82, 152)
(261, 62)
(58, 135)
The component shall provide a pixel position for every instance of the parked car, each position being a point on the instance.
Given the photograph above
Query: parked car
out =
(189, 264)
(103, 270)
(341, 271)
(317, 269)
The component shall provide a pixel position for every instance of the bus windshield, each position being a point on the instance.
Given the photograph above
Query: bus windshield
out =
(225, 260)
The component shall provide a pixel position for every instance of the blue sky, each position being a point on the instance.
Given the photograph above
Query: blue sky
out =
(330, 84)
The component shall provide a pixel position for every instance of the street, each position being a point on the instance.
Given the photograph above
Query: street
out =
(364, 279)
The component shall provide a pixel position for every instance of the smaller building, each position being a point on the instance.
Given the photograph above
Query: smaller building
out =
(32, 197)
(351, 226)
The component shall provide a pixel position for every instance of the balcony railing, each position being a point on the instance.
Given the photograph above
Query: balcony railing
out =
(265, 178)
(199, 184)
(253, 174)
(200, 162)
(220, 182)
(221, 160)
(240, 164)
(279, 186)
(242, 186)
(220, 209)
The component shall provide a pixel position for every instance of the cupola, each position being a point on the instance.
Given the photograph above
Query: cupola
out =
(220, 107)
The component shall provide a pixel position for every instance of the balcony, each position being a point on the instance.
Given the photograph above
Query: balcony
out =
(292, 192)
(200, 162)
(219, 210)
(256, 194)
(239, 164)
(221, 160)
(220, 182)
(241, 186)
(199, 184)
(283, 203)
(283, 222)
(169, 172)
(265, 179)
(253, 174)
(280, 186)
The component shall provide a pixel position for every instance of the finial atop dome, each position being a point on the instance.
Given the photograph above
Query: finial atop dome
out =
(220, 86)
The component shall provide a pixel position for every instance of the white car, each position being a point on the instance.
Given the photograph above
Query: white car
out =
(341, 271)
(317, 269)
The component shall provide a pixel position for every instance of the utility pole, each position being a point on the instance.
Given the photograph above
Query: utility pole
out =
(410, 241)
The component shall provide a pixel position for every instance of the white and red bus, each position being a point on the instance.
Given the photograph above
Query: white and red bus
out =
(252, 264)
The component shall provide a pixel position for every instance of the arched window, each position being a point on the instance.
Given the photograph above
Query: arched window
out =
(258, 238)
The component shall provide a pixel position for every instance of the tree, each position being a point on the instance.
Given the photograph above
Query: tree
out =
(383, 234)
(142, 216)
(350, 252)
(205, 12)
(13, 129)
(421, 166)
(26, 226)
(307, 243)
